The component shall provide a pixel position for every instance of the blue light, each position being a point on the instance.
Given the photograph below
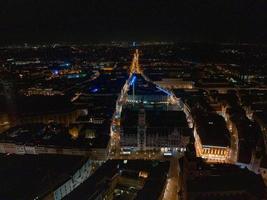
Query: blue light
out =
(165, 91)
(94, 90)
(70, 76)
(133, 80)
(66, 64)
(55, 72)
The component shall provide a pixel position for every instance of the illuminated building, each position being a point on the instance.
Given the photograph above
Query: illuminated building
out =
(4, 122)
(142, 129)
(212, 138)
(175, 83)
(42, 91)
(204, 181)
(38, 139)
(74, 132)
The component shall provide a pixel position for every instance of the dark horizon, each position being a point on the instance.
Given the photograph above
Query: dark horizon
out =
(37, 21)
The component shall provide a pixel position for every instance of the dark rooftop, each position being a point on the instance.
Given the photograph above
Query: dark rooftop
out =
(52, 134)
(249, 134)
(225, 178)
(155, 118)
(32, 105)
(212, 129)
(160, 118)
(129, 118)
(35, 176)
(100, 180)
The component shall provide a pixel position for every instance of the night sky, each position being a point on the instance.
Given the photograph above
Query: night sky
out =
(37, 21)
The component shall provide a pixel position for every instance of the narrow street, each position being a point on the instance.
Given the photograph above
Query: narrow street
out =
(172, 187)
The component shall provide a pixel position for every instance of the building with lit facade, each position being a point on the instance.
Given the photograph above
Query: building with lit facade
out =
(42, 91)
(154, 130)
(212, 138)
(175, 83)
(4, 122)
(55, 139)
(204, 181)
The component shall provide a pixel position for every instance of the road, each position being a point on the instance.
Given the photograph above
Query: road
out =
(172, 187)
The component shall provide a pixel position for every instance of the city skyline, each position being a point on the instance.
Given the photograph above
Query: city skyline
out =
(133, 100)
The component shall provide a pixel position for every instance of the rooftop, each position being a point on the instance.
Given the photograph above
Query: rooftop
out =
(212, 129)
(249, 135)
(155, 118)
(32, 105)
(160, 118)
(100, 181)
(35, 176)
(225, 178)
(52, 135)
